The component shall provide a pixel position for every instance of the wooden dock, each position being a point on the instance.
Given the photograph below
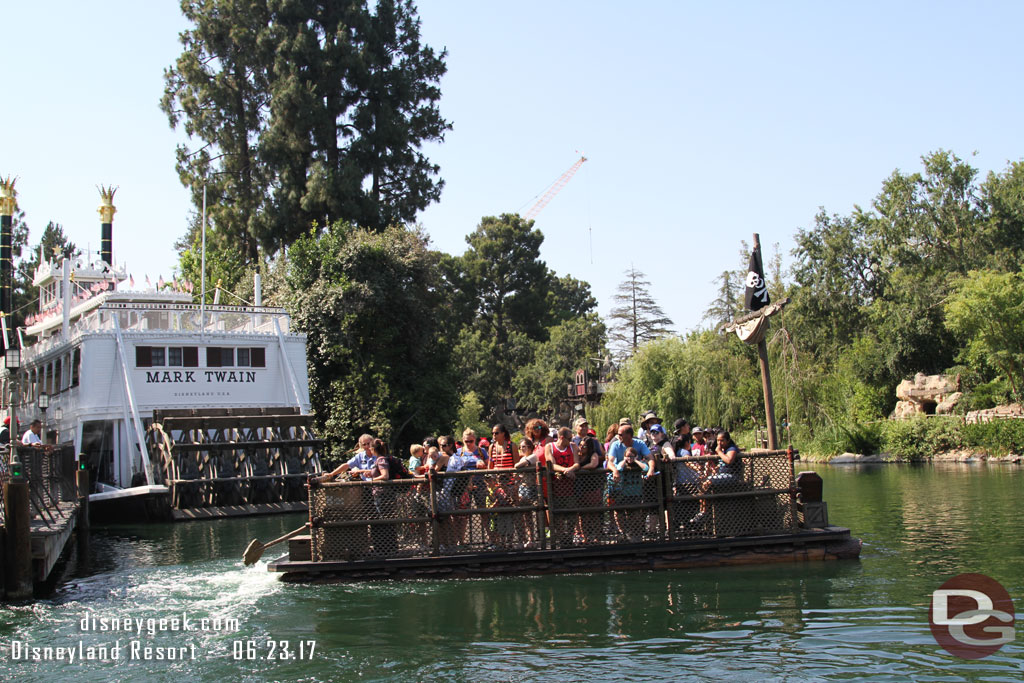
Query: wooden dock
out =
(44, 502)
(50, 538)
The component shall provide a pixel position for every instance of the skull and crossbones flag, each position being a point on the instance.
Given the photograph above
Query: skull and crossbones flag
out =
(757, 290)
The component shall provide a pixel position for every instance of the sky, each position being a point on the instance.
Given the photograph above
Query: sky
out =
(702, 123)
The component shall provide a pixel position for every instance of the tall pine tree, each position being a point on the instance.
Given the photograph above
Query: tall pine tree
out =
(637, 318)
(305, 112)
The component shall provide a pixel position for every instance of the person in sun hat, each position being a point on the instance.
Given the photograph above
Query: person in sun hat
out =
(648, 419)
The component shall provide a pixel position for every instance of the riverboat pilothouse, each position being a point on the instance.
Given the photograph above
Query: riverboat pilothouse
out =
(178, 410)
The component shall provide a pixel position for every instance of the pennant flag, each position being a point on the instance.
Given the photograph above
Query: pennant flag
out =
(131, 281)
(160, 283)
(149, 285)
(757, 290)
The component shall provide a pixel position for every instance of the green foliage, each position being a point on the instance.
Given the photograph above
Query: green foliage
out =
(378, 361)
(570, 346)
(998, 437)
(222, 265)
(469, 414)
(922, 437)
(710, 379)
(986, 395)
(520, 331)
(305, 113)
(987, 311)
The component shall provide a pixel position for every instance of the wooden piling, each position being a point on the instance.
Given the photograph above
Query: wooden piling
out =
(18, 546)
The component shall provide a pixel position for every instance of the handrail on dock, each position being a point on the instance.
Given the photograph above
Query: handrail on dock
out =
(535, 508)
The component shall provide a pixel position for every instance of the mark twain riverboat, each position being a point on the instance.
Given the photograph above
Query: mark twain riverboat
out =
(531, 521)
(178, 410)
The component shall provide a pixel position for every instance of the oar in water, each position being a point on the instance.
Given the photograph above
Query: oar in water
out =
(255, 550)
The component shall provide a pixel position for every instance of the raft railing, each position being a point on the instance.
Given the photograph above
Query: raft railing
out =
(534, 508)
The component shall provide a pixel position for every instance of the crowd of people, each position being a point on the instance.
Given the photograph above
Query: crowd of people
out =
(586, 474)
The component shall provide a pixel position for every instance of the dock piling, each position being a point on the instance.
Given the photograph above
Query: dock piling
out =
(18, 546)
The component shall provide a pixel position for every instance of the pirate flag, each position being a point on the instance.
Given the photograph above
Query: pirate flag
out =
(757, 290)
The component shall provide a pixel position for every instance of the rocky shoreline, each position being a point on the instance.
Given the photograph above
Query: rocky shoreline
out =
(961, 456)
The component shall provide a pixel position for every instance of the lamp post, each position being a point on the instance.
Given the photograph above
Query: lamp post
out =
(43, 402)
(58, 417)
(12, 360)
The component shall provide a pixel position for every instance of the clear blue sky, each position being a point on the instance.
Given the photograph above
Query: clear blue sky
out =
(702, 122)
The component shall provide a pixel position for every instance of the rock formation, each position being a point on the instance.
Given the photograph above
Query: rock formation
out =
(927, 395)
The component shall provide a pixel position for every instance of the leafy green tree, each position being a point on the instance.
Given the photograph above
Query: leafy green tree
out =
(509, 282)
(569, 298)
(377, 354)
(572, 344)
(637, 318)
(987, 311)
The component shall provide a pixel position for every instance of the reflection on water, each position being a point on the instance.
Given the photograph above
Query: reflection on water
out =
(817, 621)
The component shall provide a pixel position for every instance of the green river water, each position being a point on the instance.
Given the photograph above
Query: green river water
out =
(848, 620)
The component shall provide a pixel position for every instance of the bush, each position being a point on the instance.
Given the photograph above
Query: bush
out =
(921, 437)
(905, 439)
(998, 437)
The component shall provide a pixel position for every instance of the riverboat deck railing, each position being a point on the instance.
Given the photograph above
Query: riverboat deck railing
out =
(172, 317)
(524, 509)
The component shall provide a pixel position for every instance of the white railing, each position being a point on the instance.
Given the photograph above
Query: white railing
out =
(158, 317)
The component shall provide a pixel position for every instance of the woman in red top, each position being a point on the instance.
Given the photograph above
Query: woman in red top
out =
(561, 456)
(502, 450)
(537, 432)
(502, 487)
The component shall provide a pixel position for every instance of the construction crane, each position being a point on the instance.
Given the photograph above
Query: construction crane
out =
(555, 188)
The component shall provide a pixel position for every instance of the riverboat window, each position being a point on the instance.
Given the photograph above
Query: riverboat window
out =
(219, 357)
(150, 356)
(255, 357)
(174, 356)
(58, 376)
(76, 361)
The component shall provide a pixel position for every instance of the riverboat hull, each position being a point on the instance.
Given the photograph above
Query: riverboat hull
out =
(829, 543)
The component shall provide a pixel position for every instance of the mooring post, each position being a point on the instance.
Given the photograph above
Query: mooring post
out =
(18, 550)
(82, 483)
(766, 378)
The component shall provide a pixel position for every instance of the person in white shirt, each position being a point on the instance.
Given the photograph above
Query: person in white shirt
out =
(31, 436)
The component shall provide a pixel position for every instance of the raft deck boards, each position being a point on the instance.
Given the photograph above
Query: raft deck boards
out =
(813, 544)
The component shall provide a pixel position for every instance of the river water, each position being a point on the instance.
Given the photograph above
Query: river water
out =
(844, 620)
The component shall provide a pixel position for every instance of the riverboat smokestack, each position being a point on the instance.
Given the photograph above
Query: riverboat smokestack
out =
(107, 211)
(8, 205)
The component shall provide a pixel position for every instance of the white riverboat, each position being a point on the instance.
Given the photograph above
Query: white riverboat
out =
(227, 385)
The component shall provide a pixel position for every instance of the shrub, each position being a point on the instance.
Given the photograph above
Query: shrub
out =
(905, 439)
(998, 437)
(921, 437)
